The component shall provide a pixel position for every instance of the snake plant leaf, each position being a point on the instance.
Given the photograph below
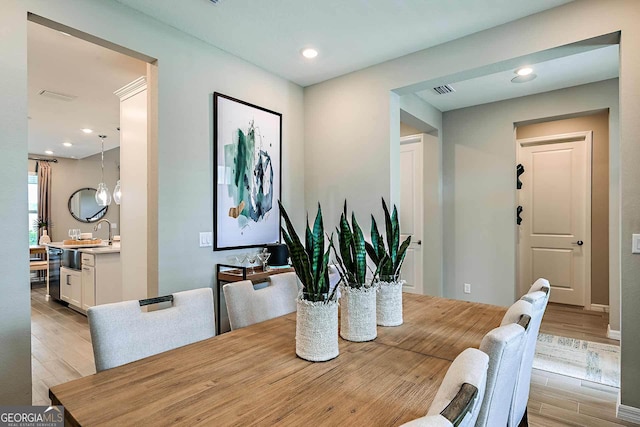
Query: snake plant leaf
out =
(297, 252)
(359, 252)
(396, 233)
(299, 259)
(375, 235)
(345, 240)
(318, 245)
(372, 253)
(323, 278)
(308, 240)
(376, 240)
(389, 227)
(401, 254)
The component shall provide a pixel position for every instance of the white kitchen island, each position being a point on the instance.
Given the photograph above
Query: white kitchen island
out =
(89, 276)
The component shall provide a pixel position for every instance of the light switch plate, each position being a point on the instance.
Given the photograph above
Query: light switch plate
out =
(635, 243)
(206, 239)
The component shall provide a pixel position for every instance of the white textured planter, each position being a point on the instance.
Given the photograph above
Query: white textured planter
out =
(389, 303)
(358, 313)
(317, 330)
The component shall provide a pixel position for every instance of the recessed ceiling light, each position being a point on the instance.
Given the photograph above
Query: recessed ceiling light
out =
(49, 152)
(87, 130)
(309, 53)
(67, 144)
(524, 79)
(524, 71)
(65, 34)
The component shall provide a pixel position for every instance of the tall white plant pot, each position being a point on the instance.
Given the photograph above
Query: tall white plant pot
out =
(317, 330)
(389, 303)
(358, 313)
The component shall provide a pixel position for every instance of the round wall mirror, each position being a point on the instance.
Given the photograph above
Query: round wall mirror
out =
(83, 205)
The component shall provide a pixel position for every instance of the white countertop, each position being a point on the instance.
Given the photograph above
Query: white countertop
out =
(91, 249)
(101, 250)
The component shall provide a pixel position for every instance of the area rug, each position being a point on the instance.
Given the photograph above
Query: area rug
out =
(581, 359)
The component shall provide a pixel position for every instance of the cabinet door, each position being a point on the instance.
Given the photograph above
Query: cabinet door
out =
(88, 287)
(65, 284)
(76, 289)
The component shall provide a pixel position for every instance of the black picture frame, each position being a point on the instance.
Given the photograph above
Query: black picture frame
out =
(247, 175)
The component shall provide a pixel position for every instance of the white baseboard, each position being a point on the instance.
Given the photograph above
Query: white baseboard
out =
(600, 307)
(612, 333)
(627, 413)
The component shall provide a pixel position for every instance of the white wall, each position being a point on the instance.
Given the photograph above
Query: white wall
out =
(15, 309)
(189, 71)
(356, 108)
(479, 185)
(134, 149)
(69, 175)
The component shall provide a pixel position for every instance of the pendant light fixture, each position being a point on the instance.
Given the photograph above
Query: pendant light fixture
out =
(103, 197)
(117, 193)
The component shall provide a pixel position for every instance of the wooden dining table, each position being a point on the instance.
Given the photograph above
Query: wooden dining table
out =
(252, 376)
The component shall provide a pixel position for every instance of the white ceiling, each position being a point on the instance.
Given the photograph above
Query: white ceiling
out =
(70, 66)
(572, 70)
(349, 34)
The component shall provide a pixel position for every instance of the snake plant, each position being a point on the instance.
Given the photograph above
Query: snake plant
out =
(311, 262)
(352, 256)
(389, 259)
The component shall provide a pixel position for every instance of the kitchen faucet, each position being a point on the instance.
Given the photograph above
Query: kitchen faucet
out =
(95, 228)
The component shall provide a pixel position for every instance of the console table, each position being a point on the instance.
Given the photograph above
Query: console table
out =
(235, 273)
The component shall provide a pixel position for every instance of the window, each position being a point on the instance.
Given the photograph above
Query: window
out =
(33, 208)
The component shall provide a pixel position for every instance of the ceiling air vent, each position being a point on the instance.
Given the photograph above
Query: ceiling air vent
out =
(58, 96)
(444, 89)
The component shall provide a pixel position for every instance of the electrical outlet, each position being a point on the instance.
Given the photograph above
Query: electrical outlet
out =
(206, 239)
(467, 288)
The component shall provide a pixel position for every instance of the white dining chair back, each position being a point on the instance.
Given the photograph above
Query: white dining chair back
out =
(538, 297)
(504, 345)
(122, 332)
(247, 305)
(460, 395)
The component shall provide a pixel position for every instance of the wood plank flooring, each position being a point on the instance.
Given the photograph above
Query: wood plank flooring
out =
(60, 345)
(61, 352)
(558, 400)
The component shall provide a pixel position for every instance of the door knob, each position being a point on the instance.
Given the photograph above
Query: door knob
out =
(419, 242)
(579, 243)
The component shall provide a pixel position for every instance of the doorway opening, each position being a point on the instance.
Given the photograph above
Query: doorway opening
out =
(73, 78)
(564, 208)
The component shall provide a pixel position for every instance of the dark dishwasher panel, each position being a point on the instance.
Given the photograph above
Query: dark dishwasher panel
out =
(72, 258)
(55, 257)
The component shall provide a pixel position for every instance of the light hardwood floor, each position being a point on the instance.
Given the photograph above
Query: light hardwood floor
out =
(60, 345)
(61, 351)
(558, 400)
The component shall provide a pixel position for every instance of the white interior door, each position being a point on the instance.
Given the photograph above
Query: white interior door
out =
(411, 206)
(554, 235)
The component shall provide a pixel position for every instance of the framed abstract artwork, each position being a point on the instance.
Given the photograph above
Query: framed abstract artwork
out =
(247, 174)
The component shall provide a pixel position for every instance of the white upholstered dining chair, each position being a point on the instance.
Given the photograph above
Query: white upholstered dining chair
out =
(505, 348)
(247, 305)
(122, 332)
(460, 395)
(538, 297)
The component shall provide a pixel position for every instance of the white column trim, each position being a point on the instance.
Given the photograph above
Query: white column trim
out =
(133, 88)
(600, 307)
(612, 333)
